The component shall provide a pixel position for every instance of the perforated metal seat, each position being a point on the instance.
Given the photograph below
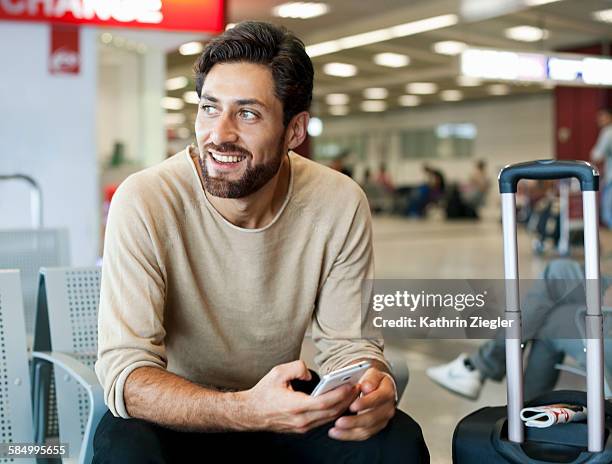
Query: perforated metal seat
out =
(71, 297)
(15, 406)
(28, 250)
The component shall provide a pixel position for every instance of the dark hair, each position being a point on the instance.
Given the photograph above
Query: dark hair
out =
(273, 46)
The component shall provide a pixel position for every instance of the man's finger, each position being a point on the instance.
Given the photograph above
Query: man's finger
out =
(364, 420)
(359, 434)
(332, 398)
(385, 393)
(293, 370)
(313, 418)
(371, 380)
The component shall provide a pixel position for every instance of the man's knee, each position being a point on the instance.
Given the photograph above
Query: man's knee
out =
(403, 441)
(119, 441)
(563, 269)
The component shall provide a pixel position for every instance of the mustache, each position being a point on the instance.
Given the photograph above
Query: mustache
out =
(227, 147)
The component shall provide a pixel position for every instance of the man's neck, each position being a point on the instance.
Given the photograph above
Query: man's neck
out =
(260, 208)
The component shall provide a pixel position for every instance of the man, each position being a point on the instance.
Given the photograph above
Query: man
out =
(548, 314)
(217, 261)
(602, 152)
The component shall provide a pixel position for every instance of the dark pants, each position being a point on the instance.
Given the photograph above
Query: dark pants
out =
(134, 441)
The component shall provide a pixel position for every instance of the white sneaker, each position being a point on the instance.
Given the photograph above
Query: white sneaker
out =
(457, 378)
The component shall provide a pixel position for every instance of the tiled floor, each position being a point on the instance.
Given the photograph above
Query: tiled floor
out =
(437, 249)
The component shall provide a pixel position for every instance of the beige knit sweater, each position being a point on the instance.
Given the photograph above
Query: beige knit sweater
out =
(186, 290)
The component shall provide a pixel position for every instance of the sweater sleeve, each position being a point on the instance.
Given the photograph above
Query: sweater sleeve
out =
(130, 319)
(339, 325)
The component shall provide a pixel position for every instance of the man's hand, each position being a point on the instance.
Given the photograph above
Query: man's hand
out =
(272, 404)
(374, 408)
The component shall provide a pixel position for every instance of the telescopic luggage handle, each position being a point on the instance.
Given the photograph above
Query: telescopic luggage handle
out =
(589, 184)
(585, 172)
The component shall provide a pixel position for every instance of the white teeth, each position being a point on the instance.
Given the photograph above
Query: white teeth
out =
(226, 159)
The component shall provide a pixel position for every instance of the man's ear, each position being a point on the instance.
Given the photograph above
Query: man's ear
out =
(297, 129)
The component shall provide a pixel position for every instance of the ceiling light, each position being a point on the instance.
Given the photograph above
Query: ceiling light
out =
(468, 81)
(300, 10)
(191, 97)
(175, 119)
(315, 127)
(106, 38)
(391, 60)
(409, 100)
(338, 110)
(424, 25)
(526, 33)
(191, 48)
(603, 15)
(451, 95)
(538, 2)
(422, 88)
(365, 38)
(340, 69)
(171, 103)
(449, 47)
(373, 105)
(375, 93)
(498, 89)
(175, 83)
(381, 35)
(337, 99)
(323, 48)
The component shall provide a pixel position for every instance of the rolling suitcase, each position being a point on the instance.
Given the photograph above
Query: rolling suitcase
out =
(496, 434)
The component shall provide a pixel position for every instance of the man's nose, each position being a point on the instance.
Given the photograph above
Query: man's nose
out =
(224, 130)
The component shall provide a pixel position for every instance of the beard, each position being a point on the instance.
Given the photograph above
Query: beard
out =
(253, 179)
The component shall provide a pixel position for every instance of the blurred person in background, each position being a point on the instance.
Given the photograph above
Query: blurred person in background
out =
(338, 164)
(474, 191)
(384, 179)
(431, 191)
(379, 198)
(548, 307)
(464, 201)
(218, 260)
(602, 153)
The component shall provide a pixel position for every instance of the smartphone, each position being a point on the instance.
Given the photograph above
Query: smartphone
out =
(348, 375)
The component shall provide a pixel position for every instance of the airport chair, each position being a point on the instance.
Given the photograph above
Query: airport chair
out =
(399, 369)
(71, 297)
(28, 250)
(15, 406)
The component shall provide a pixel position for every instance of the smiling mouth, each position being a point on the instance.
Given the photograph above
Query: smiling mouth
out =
(227, 159)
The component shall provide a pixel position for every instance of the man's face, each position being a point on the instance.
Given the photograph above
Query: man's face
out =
(239, 129)
(603, 118)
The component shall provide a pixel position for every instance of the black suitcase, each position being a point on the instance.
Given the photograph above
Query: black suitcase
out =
(496, 434)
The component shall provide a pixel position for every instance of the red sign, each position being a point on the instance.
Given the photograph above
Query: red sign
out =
(64, 56)
(176, 15)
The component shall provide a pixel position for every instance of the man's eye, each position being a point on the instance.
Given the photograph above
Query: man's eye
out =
(248, 115)
(209, 109)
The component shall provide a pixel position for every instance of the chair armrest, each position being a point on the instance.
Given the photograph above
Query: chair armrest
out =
(86, 377)
(75, 368)
(399, 369)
